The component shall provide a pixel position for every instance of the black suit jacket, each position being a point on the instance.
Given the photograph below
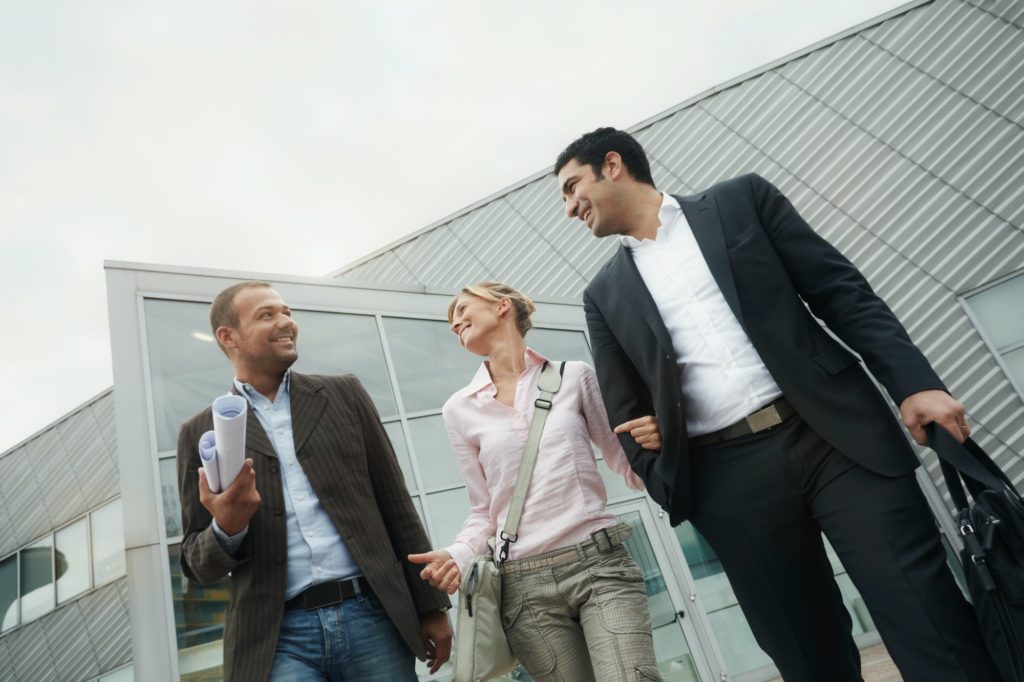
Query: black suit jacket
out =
(345, 453)
(777, 276)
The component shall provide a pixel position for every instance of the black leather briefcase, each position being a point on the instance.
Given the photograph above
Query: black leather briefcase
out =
(992, 528)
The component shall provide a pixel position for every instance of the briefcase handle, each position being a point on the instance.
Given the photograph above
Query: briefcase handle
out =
(967, 464)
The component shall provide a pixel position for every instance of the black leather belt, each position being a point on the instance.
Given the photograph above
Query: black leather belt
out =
(326, 594)
(768, 416)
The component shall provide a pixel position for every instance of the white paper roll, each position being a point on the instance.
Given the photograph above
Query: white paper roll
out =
(208, 454)
(229, 414)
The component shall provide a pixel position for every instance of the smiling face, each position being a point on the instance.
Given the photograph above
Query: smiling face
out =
(264, 341)
(593, 199)
(477, 321)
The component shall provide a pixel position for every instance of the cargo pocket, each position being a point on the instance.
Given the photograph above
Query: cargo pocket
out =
(618, 586)
(525, 638)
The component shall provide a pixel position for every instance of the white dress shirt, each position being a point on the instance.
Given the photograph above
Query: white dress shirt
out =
(723, 377)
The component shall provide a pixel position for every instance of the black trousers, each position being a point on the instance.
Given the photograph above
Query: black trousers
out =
(763, 501)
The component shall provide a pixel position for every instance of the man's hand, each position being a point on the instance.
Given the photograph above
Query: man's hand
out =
(436, 632)
(925, 407)
(441, 570)
(232, 508)
(644, 431)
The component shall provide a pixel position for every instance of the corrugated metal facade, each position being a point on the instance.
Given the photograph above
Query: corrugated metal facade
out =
(902, 143)
(54, 477)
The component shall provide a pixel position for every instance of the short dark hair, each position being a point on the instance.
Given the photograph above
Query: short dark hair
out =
(223, 312)
(590, 150)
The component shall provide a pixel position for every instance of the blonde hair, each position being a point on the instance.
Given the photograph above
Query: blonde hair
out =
(496, 291)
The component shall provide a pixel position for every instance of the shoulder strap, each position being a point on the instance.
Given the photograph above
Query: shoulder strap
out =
(549, 383)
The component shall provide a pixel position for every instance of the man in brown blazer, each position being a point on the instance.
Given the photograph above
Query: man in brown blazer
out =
(315, 541)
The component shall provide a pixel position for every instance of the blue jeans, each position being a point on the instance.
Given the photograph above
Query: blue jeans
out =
(347, 642)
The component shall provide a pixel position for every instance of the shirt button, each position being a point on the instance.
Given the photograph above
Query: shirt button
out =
(280, 430)
(302, 496)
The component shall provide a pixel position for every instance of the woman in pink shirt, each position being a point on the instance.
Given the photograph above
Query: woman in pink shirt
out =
(574, 606)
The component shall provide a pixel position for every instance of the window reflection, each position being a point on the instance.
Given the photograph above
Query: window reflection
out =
(433, 452)
(170, 497)
(9, 592)
(338, 343)
(429, 362)
(397, 438)
(198, 610)
(72, 560)
(560, 344)
(448, 511)
(107, 533)
(187, 368)
(36, 563)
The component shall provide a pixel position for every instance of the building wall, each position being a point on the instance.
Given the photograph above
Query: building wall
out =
(55, 477)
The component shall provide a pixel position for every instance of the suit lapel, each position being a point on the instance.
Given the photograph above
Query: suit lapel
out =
(702, 214)
(631, 286)
(308, 405)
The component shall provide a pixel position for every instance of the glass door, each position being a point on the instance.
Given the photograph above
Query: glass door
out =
(680, 658)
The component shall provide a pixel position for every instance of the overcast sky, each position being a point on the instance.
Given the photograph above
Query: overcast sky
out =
(297, 137)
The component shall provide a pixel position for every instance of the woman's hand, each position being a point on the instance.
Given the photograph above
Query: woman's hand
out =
(644, 431)
(440, 571)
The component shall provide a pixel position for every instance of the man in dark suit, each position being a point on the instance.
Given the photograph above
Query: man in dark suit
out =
(766, 431)
(315, 528)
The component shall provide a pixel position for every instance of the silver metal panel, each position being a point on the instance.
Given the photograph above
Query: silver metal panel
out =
(105, 618)
(440, 260)
(6, 663)
(30, 655)
(103, 410)
(57, 481)
(385, 268)
(541, 206)
(517, 253)
(22, 495)
(70, 644)
(89, 455)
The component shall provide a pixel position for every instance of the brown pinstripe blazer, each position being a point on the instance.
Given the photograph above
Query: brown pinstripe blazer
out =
(348, 458)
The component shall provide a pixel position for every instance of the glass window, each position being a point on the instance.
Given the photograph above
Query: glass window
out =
(107, 530)
(72, 560)
(429, 362)
(187, 368)
(198, 610)
(560, 344)
(9, 592)
(996, 310)
(37, 579)
(434, 452)
(397, 438)
(448, 511)
(169, 493)
(336, 343)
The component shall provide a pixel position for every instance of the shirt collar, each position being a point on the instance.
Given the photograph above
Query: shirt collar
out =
(250, 393)
(482, 378)
(667, 215)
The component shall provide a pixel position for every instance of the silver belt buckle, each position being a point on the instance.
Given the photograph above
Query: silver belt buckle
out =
(763, 419)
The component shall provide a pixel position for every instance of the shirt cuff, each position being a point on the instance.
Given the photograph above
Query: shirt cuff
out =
(229, 543)
(463, 555)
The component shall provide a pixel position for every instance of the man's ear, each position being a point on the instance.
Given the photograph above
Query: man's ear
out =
(226, 337)
(612, 167)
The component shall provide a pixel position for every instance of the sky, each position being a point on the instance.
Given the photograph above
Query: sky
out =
(297, 137)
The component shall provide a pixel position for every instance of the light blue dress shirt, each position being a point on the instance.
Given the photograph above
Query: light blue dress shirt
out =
(316, 552)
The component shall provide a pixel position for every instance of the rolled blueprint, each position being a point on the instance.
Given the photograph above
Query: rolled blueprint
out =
(229, 412)
(208, 454)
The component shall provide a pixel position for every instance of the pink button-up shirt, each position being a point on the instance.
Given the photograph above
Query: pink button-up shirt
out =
(566, 499)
